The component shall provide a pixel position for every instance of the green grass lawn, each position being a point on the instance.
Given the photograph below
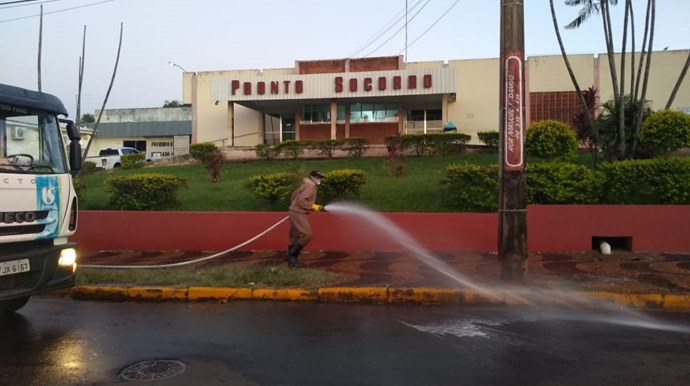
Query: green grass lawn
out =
(418, 190)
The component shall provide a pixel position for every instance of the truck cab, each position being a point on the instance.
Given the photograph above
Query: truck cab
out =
(38, 203)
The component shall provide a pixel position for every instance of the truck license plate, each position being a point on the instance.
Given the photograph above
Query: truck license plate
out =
(14, 266)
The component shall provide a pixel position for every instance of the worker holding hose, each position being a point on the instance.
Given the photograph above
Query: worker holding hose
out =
(302, 202)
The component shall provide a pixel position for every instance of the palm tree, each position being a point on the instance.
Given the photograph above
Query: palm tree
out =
(624, 148)
(588, 115)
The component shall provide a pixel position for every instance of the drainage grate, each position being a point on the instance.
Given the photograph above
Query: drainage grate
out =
(154, 370)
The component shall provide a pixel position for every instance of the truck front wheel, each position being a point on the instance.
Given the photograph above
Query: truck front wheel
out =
(8, 306)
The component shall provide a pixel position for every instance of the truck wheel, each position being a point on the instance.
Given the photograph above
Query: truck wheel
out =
(117, 165)
(8, 306)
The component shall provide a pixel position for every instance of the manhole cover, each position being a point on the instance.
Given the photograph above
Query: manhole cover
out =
(153, 370)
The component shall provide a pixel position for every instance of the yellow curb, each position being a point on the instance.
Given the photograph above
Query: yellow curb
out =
(157, 293)
(283, 294)
(635, 300)
(353, 294)
(218, 293)
(93, 291)
(379, 295)
(677, 302)
(443, 296)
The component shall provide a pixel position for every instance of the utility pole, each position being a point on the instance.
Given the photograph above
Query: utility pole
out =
(512, 204)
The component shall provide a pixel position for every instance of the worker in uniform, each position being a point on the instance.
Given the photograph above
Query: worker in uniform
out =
(302, 203)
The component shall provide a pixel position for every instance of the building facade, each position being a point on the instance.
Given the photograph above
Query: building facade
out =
(158, 132)
(376, 97)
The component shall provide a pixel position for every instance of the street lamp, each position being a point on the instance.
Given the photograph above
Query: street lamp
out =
(172, 64)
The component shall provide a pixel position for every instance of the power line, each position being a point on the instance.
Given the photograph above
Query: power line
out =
(398, 31)
(433, 24)
(33, 2)
(386, 27)
(58, 11)
(15, 2)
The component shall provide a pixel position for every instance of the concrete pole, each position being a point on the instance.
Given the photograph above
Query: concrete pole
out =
(512, 209)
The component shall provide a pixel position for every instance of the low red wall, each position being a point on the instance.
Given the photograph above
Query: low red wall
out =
(551, 228)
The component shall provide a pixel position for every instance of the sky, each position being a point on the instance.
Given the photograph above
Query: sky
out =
(211, 35)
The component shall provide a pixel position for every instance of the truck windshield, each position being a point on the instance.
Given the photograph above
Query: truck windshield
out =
(31, 143)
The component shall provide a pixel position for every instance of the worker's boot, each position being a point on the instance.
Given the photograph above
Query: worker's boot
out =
(293, 253)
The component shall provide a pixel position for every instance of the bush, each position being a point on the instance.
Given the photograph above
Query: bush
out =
(274, 187)
(562, 183)
(395, 160)
(203, 152)
(88, 167)
(267, 152)
(327, 147)
(79, 187)
(355, 146)
(210, 156)
(340, 184)
(551, 140)
(489, 138)
(472, 188)
(292, 149)
(133, 161)
(662, 181)
(446, 143)
(663, 132)
(149, 191)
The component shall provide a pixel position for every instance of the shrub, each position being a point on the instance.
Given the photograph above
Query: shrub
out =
(355, 146)
(202, 152)
(327, 147)
(79, 187)
(292, 149)
(395, 160)
(419, 143)
(210, 156)
(88, 167)
(267, 152)
(662, 181)
(664, 131)
(446, 143)
(148, 191)
(472, 188)
(489, 138)
(562, 183)
(274, 187)
(133, 161)
(551, 140)
(341, 184)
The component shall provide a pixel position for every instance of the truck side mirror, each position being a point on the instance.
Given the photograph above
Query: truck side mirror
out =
(75, 157)
(72, 131)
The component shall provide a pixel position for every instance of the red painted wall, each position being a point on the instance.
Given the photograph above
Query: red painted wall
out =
(551, 228)
(374, 131)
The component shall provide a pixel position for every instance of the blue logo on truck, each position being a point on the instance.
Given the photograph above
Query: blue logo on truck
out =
(48, 199)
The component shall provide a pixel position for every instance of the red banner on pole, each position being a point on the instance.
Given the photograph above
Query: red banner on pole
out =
(513, 118)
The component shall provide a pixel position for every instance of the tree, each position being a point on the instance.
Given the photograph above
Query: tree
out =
(172, 103)
(88, 118)
(627, 131)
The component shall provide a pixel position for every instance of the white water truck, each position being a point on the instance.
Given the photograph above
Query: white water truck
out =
(38, 203)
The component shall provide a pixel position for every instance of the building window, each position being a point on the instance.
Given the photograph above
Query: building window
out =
(139, 145)
(316, 114)
(422, 121)
(377, 112)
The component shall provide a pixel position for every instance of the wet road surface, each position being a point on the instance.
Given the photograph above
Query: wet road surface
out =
(60, 341)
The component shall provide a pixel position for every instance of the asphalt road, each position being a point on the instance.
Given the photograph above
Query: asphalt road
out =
(59, 341)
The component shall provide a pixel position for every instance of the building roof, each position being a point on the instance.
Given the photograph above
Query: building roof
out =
(144, 129)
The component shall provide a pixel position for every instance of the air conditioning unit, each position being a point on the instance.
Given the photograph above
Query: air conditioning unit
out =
(18, 133)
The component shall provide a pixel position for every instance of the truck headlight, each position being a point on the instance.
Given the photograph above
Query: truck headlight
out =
(68, 257)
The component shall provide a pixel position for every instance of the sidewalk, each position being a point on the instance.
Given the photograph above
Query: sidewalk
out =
(646, 279)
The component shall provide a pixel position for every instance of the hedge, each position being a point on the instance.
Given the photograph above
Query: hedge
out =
(653, 181)
(148, 191)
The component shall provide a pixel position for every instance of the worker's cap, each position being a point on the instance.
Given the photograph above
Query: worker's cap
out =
(315, 173)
